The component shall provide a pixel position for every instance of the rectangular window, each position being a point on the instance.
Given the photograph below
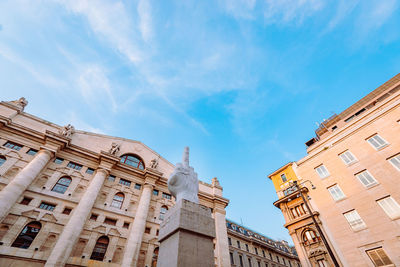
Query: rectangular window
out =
(347, 157)
(263, 252)
(247, 247)
(138, 186)
(111, 178)
(74, 165)
(336, 192)
(366, 178)
(110, 221)
(32, 152)
(238, 243)
(155, 192)
(256, 251)
(241, 260)
(13, 145)
(126, 225)
(58, 160)
(165, 195)
(379, 257)
(124, 182)
(231, 255)
(26, 201)
(47, 206)
(229, 241)
(377, 142)
(395, 162)
(283, 177)
(259, 264)
(89, 170)
(354, 220)
(249, 262)
(147, 230)
(390, 206)
(67, 211)
(322, 171)
(322, 263)
(93, 217)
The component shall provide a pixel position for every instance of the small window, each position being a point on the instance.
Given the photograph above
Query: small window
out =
(111, 178)
(67, 211)
(155, 192)
(247, 247)
(110, 221)
(347, 157)
(13, 145)
(366, 179)
(32, 152)
(147, 230)
(126, 225)
(47, 206)
(157, 232)
(238, 243)
(395, 161)
(377, 142)
(74, 166)
(310, 237)
(26, 201)
(259, 264)
(27, 235)
(62, 185)
(89, 170)
(133, 161)
(322, 171)
(99, 250)
(336, 192)
(93, 217)
(124, 182)
(58, 160)
(256, 251)
(138, 186)
(241, 260)
(283, 177)
(165, 195)
(231, 257)
(379, 257)
(355, 221)
(322, 263)
(390, 206)
(263, 252)
(229, 241)
(2, 160)
(163, 210)
(118, 200)
(249, 262)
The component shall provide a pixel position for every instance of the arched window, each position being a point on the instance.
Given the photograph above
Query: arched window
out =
(100, 249)
(155, 257)
(117, 201)
(163, 210)
(62, 185)
(2, 160)
(133, 161)
(310, 237)
(27, 235)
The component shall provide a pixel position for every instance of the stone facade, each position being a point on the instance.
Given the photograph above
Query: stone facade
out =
(250, 249)
(354, 164)
(74, 198)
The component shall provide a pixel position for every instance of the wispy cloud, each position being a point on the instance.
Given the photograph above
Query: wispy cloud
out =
(145, 20)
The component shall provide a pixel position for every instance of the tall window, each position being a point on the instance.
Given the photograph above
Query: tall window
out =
(322, 171)
(229, 241)
(379, 257)
(377, 142)
(133, 161)
(163, 210)
(117, 201)
(62, 185)
(241, 260)
(322, 263)
(283, 177)
(390, 206)
(366, 178)
(355, 221)
(395, 162)
(27, 235)
(100, 249)
(249, 262)
(310, 237)
(13, 145)
(347, 157)
(2, 160)
(231, 255)
(155, 257)
(336, 192)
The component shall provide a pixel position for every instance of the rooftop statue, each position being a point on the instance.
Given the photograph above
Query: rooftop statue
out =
(183, 182)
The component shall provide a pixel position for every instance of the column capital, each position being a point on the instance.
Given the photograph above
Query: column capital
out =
(107, 160)
(106, 172)
(54, 142)
(46, 151)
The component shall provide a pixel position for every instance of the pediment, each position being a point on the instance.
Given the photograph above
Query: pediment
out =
(13, 154)
(49, 217)
(33, 214)
(114, 232)
(100, 229)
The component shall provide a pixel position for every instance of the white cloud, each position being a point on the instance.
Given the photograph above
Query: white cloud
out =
(344, 8)
(145, 20)
(240, 8)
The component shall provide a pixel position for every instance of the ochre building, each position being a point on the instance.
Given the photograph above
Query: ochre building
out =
(354, 165)
(74, 198)
(247, 248)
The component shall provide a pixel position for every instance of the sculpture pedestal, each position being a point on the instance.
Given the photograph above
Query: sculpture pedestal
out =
(186, 236)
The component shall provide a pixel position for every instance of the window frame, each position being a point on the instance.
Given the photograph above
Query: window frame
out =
(322, 174)
(345, 157)
(3, 159)
(118, 200)
(60, 186)
(361, 176)
(357, 224)
(47, 206)
(127, 159)
(74, 165)
(20, 240)
(380, 146)
(397, 159)
(13, 145)
(124, 182)
(334, 194)
(386, 207)
(376, 250)
(101, 247)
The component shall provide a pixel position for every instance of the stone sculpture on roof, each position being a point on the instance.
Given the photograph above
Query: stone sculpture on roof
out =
(21, 103)
(67, 130)
(114, 149)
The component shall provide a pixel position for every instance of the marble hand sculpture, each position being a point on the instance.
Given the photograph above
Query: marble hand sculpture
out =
(183, 182)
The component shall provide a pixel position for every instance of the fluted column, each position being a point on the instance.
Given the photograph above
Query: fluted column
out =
(10, 194)
(134, 241)
(222, 246)
(61, 251)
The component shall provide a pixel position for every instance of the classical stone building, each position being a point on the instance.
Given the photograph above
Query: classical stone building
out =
(75, 198)
(354, 165)
(250, 249)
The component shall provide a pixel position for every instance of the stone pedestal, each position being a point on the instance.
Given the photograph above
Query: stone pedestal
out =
(186, 236)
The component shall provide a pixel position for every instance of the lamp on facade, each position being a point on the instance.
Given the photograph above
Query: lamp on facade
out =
(299, 187)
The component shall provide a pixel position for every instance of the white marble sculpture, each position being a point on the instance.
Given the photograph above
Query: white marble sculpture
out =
(67, 130)
(21, 103)
(114, 149)
(183, 183)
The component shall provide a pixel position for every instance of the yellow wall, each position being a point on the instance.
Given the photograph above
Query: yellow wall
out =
(277, 180)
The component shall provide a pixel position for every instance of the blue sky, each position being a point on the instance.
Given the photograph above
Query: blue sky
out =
(242, 82)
